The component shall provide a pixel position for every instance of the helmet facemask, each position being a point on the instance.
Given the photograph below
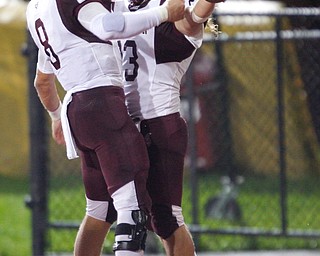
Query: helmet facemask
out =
(137, 4)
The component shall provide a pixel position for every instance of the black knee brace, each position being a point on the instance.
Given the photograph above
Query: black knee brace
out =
(137, 233)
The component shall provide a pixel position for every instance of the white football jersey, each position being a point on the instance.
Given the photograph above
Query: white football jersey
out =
(154, 63)
(72, 53)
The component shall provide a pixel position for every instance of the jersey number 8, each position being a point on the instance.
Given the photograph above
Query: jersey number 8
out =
(44, 40)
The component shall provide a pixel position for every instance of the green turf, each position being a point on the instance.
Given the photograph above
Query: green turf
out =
(15, 232)
(259, 202)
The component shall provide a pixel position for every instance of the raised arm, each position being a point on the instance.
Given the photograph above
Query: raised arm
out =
(107, 26)
(195, 16)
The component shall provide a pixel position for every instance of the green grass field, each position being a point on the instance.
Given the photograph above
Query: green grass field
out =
(15, 229)
(258, 200)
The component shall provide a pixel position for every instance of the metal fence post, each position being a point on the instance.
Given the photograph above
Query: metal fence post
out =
(37, 201)
(281, 124)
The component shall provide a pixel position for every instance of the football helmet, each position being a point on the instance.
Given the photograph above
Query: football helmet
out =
(137, 4)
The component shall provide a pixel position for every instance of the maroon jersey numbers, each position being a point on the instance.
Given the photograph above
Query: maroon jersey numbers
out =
(130, 48)
(44, 40)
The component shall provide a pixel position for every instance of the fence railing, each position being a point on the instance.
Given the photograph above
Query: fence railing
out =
(277, 36)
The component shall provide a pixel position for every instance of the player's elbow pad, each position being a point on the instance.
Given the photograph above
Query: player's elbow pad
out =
(108, 26)
(119, 25)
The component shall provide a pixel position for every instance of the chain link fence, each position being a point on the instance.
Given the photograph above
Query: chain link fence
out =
(252, 100)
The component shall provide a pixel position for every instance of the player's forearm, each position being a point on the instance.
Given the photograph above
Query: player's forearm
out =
(133, 23)
(195, 16)
(202, 10)
(47, 92)
(117, 25)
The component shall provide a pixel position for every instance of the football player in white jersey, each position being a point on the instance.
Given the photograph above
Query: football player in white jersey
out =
(153, 65)
(76, 41)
